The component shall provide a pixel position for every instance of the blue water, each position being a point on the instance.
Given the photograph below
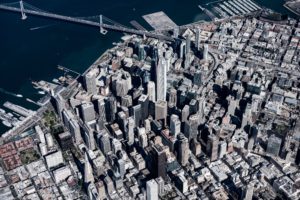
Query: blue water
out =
(27, 55)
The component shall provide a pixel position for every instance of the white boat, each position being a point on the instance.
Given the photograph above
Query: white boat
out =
(2, 111)
(19, 95)
(6, 123)
(42, 92)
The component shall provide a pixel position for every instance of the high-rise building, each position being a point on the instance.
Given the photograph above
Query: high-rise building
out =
(130, 131)
(188, 45)
(161, 79)
(59, 104)
(191, 127)
(142, 136)
(175, 125)
(205, 52)
(89, 137)
(183, 150)
(181, 183)
(121, 167)
(116, 145)
(161, 110)
(197, 77)
(121, 87)
(249, 191)
(144, 102)
(151, 190)
(137, 114)
(126, 101)
(88, 171)
(222, 149)
(90, 82)
(161, 186)
(194, 105)
(176, 32)
(160, 161)
(87, 112)
(111, 109)
(274, 144)
(105, 143)
(212, 147)
(197, 40)
(101, 190)
(182, 49)
(185, 113)
(102, 114)
(172, 97)
(65, 140)
(151, 91)
(142, 52)
(196, 147)
(75, 131)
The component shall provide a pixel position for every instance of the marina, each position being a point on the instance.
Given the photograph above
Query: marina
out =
(230, 8)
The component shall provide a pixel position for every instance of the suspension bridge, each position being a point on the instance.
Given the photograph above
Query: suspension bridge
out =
(103, 22)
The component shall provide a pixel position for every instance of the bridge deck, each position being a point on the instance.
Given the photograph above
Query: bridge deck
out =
(87, 22)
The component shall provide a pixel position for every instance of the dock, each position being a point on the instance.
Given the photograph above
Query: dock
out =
(159, 21)
(18, 109)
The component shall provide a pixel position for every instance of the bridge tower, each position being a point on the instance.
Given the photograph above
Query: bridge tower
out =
(102, 30)
(22, 10)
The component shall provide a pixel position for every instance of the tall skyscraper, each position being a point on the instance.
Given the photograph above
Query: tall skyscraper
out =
(205, 52)
(274, 144)
(183, 150)
(222, 149)
(126, 101)
(142, 52)
(212, 147)
(249, 191)
(105, 143)
(151, 91)
(197, 78)
(89, 137)
(90, 82)
(176, 32)
(144, 102)
(172, 97)
(121, 87)
(87, 112)
(161, 186)
(137, 114)
(130, 131)
(160, 161)
(175, 125)
(161, 79)
(182, 49)
(161, 110)
(197, 40)
(191, 127)
(142, 136)
(102, 114)
(188, 45)
(111, 109)
(88, 171)
(151, 190)
(75, 131)
(185, 113)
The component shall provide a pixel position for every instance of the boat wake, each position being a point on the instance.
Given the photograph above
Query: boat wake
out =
(41, 27)
(10, 93)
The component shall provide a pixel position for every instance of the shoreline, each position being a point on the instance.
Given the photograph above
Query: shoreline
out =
(286, 5)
